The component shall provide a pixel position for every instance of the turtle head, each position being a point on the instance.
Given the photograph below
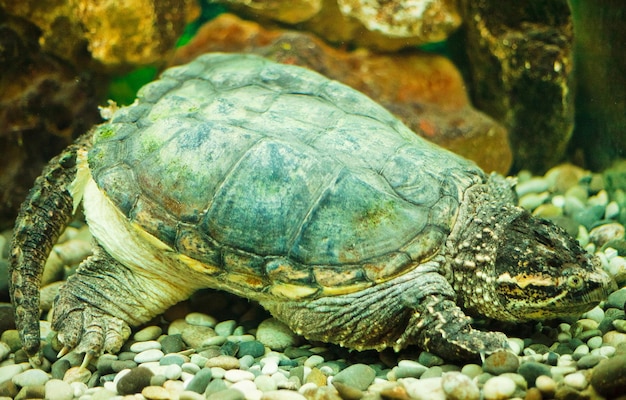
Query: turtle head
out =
(541, 272)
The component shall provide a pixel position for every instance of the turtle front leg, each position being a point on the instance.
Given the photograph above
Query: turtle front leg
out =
(99, 303)
(441, 327)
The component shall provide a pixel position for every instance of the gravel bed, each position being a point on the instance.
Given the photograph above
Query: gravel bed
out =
(216, 346)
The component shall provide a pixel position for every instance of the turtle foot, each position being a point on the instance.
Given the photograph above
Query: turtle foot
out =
(86, 329)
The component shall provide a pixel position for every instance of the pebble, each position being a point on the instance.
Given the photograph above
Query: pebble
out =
(501, 362)
(5, 350)
(148, 356)
(138, 347)
(200, 381)
(546, 385)
(236, 375)
(7, 372)
(499, 387)
(253, 348)
(225, 362)
(31, 377)
(227, 394)
(577, 380)
(282, 395)
(531, 370)
(225, 328)
(358, 376)
(276, 335)
(134, 381)
(56, 389)
(156, 393)
(200, 319)
(458, 386)
(148, 333)
(424, 389)
(195, 335)
(609, 377)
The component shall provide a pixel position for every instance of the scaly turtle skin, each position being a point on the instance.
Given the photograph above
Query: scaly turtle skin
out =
(274, 183)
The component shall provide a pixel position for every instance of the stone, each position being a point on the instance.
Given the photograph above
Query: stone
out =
(31, 377)
(605, 233)
(609, 377)
(134, 381)
(225, 362)
(458, 386)
(138, 347)
(522, 66)
(149, 355)
(171, 344)
(358, 376)
(498, 387)
(195, 335)
(599, 52)
(546, 385)
(501, 362)
(276, 335)
(531, 370)
(424, 389)
(200, 381)
(151, 332)
(428, 359)
(253, 348)
(56, 389)
(282, 395)
(227, 394)
(577, 380)
(617, 299)
(237, 375)
(225, 328)
(425, 91)
(156, 393)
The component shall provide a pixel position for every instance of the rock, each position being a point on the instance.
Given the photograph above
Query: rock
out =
(253, 348)
(499, 387)
(599, 52)
(149, 355)
(606, 233)
(617, 299)
(457, 386)
(171, 344)
(200, 381)
(358, 376)
(276, 335)
(614, 338)
(31, 377)
(225, 328)
(609, 377)
(148, 333)
(222, 361)
(424, 389)
(227, 394)
(139, 347)
(156, 393)
(546, 385)
(501, 362)
(531, 370)
(425, 91)
(521, 66)
(431, 22)
(134, 381)
(282, 395)
(428, 359)
(56, 389)
(195, 335)
(43, 100)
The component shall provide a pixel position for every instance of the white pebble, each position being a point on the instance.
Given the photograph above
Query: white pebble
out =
(78, 388)
(9, 371)
(120, 375)
(545, 384)
(148, 356)
(249, 389)
(138, 347)
(110, 386)
(499, 387)
(606, 351)
(173, 371)
(56, 389)
(594, 342)
(270, 367)
(190, 367)
(583, 349)
(617, 265)
(218, 372)
(458, 386)
(424, 389)
(236, 375)
(559, 201)
(596, 314)
(283, 395)
(265, 383)
(600, 199)
(576, 380)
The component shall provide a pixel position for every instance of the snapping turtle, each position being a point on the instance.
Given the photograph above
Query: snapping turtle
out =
(274, 183)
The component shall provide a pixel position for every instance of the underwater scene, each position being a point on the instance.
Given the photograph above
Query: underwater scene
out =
(313, 199)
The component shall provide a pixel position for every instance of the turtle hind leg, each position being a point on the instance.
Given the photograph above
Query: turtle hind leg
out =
(44, 214)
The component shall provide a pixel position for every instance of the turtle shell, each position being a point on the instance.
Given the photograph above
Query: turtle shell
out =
(277, 179)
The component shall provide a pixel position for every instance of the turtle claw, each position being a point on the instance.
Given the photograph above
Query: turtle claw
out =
(65, 350)
(87, 329)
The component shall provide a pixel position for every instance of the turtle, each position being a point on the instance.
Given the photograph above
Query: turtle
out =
(274, 183)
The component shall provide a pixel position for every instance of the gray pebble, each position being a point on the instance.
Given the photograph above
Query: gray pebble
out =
(31, 377)
(429, 360)
(195, 335)
(134, 381)
(120, 365)
(171, 343)
(59, 369)
(358, 376)
(200, 319)
(409, 369)
(276, 335)
(172, 359)
(253, 348)
(225, 328)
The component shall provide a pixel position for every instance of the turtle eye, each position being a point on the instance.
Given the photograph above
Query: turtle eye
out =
(575, 282)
